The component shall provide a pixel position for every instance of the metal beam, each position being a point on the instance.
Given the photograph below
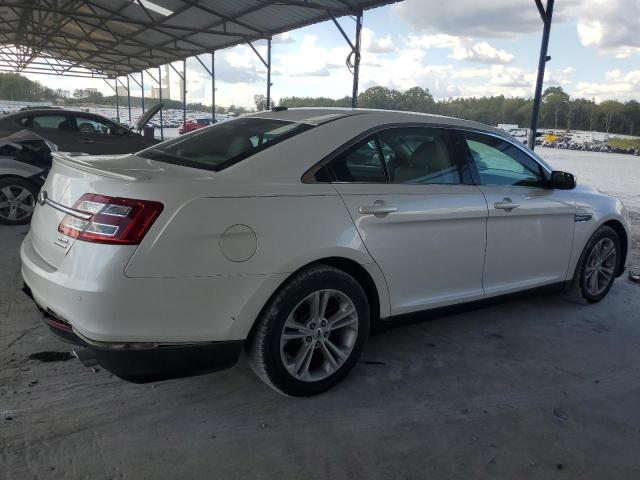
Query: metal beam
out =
(160, 100)
(267, 64)
(269, 73)
(356, 63)
(353, 66)
(129, 99)
(542, 62)
(184, 93)
(213, 87)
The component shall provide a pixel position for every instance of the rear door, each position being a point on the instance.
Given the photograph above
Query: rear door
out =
(422, 225)
(530, 227)
(54, 126)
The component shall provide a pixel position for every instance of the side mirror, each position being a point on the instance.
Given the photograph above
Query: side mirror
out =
(562, 180)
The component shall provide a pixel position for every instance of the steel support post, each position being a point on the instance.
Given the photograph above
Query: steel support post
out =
(160, 101)
(546, 14)
(356, 62)
(117, 103)
(129, 99)
(269, 73)
(355, 53)
(213, 87)
(184, 92)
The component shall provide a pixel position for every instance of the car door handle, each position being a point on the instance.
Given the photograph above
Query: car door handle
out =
(377, 209)
(506, 204)
(86, 140)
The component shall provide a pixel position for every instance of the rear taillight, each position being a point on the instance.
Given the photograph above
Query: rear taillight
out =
(123, 221)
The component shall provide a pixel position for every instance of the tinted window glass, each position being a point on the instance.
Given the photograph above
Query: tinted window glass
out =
(359, 164)
(50, 121)
(223, 144)
(91, 126)
(501, 163)
(24, 121)
(418, 155)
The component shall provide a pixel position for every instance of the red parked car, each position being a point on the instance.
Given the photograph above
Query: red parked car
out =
(194, 124)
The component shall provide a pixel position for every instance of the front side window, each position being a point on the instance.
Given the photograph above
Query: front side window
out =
(223, 144)
(58, 122)
(418, 155)
(501, 163)
(92, 126)
(359, 164)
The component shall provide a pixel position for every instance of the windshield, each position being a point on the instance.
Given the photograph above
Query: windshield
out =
(221, 145)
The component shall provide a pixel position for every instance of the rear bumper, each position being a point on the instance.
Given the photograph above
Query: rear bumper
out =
(145, 362)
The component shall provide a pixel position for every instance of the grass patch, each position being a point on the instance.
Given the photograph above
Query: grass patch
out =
(625, 143)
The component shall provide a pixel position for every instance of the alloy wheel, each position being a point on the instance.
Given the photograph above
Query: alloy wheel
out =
(600, 266)
(319, 335)
(16, 202)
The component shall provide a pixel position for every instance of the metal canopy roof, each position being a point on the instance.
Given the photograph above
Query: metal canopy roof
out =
(109, 38)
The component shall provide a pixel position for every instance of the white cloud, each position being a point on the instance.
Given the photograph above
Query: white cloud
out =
(618, 85)
(610, 26)
(485, 19)
(371, 44)
(285, 37)
(462, 48)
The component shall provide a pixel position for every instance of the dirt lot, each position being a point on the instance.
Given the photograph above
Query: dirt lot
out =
(538, 387)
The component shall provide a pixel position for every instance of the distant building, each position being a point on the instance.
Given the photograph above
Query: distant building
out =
(166, 86)
(166, 92)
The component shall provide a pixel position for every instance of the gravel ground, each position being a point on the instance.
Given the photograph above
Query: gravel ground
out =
(537, 387)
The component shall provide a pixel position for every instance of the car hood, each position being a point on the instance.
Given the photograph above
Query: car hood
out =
(148, 115)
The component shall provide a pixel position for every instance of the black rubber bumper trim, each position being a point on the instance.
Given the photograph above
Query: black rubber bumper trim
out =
(142, 364)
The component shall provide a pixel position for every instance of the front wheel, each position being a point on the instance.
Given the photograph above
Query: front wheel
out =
(312, 332)
(598, 264)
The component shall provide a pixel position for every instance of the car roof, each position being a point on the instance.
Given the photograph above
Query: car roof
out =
(321, 115)
(49, 111)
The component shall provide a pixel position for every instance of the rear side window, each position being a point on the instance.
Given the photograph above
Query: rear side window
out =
(359, 164)
(221, 145)
(418, 155)
(58, 122)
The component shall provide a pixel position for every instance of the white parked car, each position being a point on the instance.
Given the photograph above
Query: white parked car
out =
(290, 232)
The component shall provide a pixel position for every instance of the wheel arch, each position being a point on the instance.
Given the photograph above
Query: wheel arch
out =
(617, 227)
(377, 294)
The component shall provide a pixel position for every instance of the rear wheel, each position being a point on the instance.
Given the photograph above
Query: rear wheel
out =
(598, 265)
(312, 332)
(17, 200)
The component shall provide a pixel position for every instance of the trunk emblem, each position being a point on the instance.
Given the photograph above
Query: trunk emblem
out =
(42, 197)
(62, 241)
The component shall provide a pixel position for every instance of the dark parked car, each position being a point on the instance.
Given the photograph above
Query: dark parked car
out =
(25, 160)
(74, 131)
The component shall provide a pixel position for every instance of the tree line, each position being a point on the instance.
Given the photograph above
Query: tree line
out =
(558, 111)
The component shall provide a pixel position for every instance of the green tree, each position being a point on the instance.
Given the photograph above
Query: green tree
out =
(555, 101)
(260, 102)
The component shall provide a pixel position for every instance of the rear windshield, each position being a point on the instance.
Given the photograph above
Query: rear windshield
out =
(221, 145)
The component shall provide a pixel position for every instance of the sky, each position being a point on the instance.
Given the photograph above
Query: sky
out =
(457, 48)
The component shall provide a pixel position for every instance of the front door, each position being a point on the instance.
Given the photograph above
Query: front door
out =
(420, 223)
(530, 227)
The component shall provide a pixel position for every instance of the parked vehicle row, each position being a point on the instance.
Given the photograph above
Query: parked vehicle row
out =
(289, 233)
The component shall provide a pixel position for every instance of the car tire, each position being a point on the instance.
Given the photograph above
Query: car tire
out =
(12, 190)
(598, 266)
(300, 353)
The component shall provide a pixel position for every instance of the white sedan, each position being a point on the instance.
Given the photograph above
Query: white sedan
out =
(289, 233)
